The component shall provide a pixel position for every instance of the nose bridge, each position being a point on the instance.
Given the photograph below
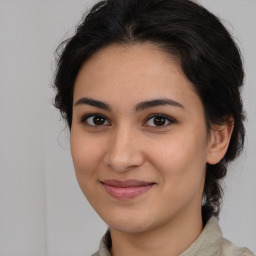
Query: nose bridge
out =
(123, 152)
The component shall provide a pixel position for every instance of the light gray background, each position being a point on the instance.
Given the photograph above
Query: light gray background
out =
(42, 211)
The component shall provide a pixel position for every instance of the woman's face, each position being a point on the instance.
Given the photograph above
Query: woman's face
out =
(138, 138)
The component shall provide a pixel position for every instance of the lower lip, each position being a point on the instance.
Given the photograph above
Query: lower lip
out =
(127, 192)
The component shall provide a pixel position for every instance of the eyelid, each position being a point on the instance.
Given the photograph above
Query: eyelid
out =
(168, 118)
(171, 120)
(87, 116)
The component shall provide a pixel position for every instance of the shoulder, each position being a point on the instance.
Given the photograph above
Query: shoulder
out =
(105, 244)
(229, 249)
(212, 243)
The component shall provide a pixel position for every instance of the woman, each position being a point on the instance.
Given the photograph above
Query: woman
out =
(150, 90)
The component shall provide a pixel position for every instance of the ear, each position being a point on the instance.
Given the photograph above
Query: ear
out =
(219, 141)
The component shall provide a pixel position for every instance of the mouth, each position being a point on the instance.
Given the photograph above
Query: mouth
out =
(127, 189)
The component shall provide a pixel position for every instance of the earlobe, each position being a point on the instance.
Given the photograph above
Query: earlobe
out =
(219, 141)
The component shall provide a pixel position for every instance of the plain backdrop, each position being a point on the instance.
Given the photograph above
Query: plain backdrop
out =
(42, 210)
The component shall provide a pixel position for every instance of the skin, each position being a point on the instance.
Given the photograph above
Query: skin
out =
(166, 219)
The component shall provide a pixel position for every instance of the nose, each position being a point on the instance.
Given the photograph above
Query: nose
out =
(124, 151)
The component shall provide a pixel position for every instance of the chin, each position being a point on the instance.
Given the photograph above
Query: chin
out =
(129, 227)
(129, 223)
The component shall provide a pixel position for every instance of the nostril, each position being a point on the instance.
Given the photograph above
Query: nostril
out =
(123, 153)
(123, 162)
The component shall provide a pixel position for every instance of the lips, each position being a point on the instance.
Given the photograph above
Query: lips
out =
(127, 189)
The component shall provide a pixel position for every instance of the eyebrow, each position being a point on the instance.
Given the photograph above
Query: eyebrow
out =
(157, 102)
(139, 107)
(94, 103)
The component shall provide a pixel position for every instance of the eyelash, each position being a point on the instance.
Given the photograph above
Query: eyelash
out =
(85, 118)
(166, 118)
(162, 116)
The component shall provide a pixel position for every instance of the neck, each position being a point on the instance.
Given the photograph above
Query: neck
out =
(172, 238)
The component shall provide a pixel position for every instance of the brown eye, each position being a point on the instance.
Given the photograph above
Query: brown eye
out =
(98, 120)
(95, 120)
(159, 121)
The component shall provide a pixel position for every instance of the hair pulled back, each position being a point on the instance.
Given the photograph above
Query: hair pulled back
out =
(183, 29)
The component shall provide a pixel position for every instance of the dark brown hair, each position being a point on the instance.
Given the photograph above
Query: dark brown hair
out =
(208, 55)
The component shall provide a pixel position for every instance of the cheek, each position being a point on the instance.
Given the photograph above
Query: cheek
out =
(181, 165)
(180, 158)
(85, 154)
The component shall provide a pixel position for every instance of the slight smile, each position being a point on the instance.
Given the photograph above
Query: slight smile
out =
(127, 189)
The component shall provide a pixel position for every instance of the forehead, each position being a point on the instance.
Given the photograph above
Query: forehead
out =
(133, 73)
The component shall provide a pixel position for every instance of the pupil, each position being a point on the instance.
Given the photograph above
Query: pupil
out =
(159, 121)
(98, 120)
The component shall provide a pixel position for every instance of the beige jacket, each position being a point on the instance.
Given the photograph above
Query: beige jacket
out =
(209, 243)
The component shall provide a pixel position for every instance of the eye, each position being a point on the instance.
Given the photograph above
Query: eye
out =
(159, 120)
(95, 120)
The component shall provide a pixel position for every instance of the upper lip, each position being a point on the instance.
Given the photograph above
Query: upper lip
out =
(126, 183)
